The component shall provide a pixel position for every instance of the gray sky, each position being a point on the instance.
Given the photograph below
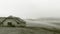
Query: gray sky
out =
(30, 8)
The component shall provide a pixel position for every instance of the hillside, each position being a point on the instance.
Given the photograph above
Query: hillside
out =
(32, 27)
(20, 30)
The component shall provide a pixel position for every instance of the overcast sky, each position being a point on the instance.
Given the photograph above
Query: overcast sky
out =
(30, 8)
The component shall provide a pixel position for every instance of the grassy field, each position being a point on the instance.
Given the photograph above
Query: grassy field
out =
(20, 30)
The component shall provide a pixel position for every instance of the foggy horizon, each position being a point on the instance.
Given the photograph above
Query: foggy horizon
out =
(30, 8)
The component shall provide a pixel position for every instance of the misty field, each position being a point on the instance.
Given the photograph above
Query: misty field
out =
(32, 27)
(27, 30)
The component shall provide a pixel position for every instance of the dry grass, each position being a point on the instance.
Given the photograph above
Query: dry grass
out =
(21, 30)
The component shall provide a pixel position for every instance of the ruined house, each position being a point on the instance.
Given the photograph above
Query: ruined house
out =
(12, 22)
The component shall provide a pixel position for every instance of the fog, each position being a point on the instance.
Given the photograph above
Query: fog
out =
(30, 8)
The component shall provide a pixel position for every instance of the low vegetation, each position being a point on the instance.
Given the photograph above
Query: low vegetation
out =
(26, 30)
